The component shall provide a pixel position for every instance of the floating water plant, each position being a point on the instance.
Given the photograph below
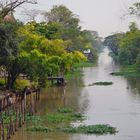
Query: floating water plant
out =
(39, 129)
(61, 118)
(101, 83)
(60, 121)
(83, 129)
(65, 110)
(91, 129)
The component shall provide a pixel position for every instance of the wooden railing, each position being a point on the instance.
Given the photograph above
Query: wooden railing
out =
(14, 107)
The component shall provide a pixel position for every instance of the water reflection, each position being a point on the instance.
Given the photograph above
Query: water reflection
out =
(133, 85)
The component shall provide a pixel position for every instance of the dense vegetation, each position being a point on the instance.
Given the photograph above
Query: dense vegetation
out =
(39, 50)
(60, 122)
(125, 47)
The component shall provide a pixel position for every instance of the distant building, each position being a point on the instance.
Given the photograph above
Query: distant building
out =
(89, 54)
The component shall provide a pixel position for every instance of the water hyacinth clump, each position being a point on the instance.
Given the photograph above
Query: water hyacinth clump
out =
(101, 84)
(65, 110)
(61, 120)
(91, 129)
(39, 129)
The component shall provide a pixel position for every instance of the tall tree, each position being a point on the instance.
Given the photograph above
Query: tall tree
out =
(7, 6)
(61, 14)
(10, 57)
(112, 42)
(135, 9)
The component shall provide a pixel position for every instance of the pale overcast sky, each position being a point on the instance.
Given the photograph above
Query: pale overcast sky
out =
(103, 16)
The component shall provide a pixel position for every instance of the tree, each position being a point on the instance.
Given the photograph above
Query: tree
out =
(130, 45)
(31, 14)
(135, 9)
(138, 63)
(8, 6)
(133, 27)
(62, 15)
(47, 57)
(112, 42)
(10, 57)
(39, 50)
(68, 23)
(51, 30)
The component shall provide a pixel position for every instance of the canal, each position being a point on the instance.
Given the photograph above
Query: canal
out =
(117, 104)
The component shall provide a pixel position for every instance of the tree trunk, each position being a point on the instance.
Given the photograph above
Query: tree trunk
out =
(10, 81)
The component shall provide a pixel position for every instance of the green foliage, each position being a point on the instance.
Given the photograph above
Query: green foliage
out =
(112, 42)
(65, 110)
(39, 129)
(63, 15)
(72, 74)
(135, 9)
(62, 23)
(128, 71)
(138, 63)
(101, 83)
(84, 64)
(83, 129)
(10, 52)
(129, 47)
(52, 30)
(40, 50)
(126, 47)
(60, 122)
(2, 81)
(91, 129)
(21, 84)
(57, 118)
(77, 116)
(63, 117)
(133, 27)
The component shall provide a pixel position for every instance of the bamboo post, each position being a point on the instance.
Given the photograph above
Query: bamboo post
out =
(2, 129)
(13, 110)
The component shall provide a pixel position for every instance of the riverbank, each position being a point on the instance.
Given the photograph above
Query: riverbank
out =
(128, 71)
(61, 120)
(77, 72)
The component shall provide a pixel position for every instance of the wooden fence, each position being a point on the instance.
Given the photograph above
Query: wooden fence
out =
(14, 107)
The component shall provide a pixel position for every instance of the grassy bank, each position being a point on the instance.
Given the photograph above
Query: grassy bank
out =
(85, 64)
(128, 71)
(77, 72)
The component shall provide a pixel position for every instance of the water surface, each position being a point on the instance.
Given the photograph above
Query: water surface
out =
(117, 105)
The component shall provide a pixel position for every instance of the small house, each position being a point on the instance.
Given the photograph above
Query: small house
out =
(89, 54)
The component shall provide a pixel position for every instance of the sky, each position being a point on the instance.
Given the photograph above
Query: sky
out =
(103, 16)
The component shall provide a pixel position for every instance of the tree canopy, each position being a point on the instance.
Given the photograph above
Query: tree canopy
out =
(39, 50)
(126, 46)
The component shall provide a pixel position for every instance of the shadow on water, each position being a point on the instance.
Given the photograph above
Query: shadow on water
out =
(117, 105)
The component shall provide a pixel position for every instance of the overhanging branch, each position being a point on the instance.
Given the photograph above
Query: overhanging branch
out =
(11, 5)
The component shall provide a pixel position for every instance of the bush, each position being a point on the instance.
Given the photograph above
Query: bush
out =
(138, 63)
(2, 82)
(21, 83)
(65, 110)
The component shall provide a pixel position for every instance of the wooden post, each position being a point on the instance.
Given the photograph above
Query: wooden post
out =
(2, 129)
(14, 108)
